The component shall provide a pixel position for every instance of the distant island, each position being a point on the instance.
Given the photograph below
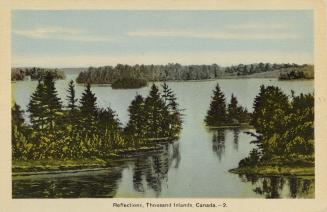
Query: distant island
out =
(129, 83)
(35, 73)
(302, 72)
(178, 72)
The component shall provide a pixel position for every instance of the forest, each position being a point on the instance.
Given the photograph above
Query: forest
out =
(81, 130)
(173, 72)
(35, 73)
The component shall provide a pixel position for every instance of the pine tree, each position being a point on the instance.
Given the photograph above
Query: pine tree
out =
(71, 96)
(174, 118)
(156, 111)
(137, 123)
(17, 116)
(216, 114)
(52, 100)
(37, 107)
(233, 110)
(88, 110)
(88, 102)
(72, 113)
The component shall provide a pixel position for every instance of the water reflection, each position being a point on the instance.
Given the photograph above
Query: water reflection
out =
(149, 171)
(236, 133)
(278, 187)
(99, 184)
(218, 142)
(152, 171)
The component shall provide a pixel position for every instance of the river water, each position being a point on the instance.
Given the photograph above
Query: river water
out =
(194, 166)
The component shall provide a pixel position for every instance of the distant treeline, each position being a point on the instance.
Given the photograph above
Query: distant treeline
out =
(35, 73)
(172, 71)
(129, 83)
(302, 72)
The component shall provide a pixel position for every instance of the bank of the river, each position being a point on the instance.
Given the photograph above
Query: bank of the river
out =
(37, 166)
(268, 170)
(241, 126)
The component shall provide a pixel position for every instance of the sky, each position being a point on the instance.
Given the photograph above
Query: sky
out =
(72, 38)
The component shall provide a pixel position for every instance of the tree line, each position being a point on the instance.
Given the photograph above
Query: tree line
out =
(172, 71)
(35, 73)
(82, 130)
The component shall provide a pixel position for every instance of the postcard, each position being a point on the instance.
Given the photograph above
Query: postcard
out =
(171, 105)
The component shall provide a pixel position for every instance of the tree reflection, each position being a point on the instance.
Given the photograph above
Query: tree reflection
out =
(274, 186)
(99, 184)
(218, 142)
(236, 133)
(153, 170)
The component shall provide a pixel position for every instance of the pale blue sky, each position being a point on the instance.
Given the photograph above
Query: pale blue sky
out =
(105, 37)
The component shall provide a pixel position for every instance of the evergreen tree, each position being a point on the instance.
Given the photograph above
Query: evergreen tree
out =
(88, 102)
(72, 113)
(37, 107)
(156, 111)
(17, 116)
(216, 114)
(137, 123)
(54, 105)
(71, 96)
(88, 110)
(233, 112)
(174, 118)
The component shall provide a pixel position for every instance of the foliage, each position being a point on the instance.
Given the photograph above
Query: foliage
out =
(285, 127)
(129, 83)
(302, 72)
(220, 115)
(85, 131)
(172, 71)
(35, 73)
(157, 116)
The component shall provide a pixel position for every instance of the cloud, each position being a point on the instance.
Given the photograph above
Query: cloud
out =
(60, 33)
(261, 26)
(215, 35)
(201, 57)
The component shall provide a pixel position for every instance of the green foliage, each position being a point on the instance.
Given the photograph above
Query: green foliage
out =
(129, 83)
(172, 71)
(84, 131)
(217, 114)
(285, 127)
(35, 73)
(301, 72)
(158, 116)
(220, 115)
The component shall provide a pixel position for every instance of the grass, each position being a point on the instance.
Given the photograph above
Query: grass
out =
(78, 164)
(56, 165)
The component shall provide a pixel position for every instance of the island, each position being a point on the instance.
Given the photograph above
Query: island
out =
(221, 115)
(298, 73)
(35, 73)
(284, 135)
(80, 135)
(135, 76)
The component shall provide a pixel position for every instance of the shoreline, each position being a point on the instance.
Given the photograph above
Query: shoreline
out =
(269, 170)
(58, 166)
